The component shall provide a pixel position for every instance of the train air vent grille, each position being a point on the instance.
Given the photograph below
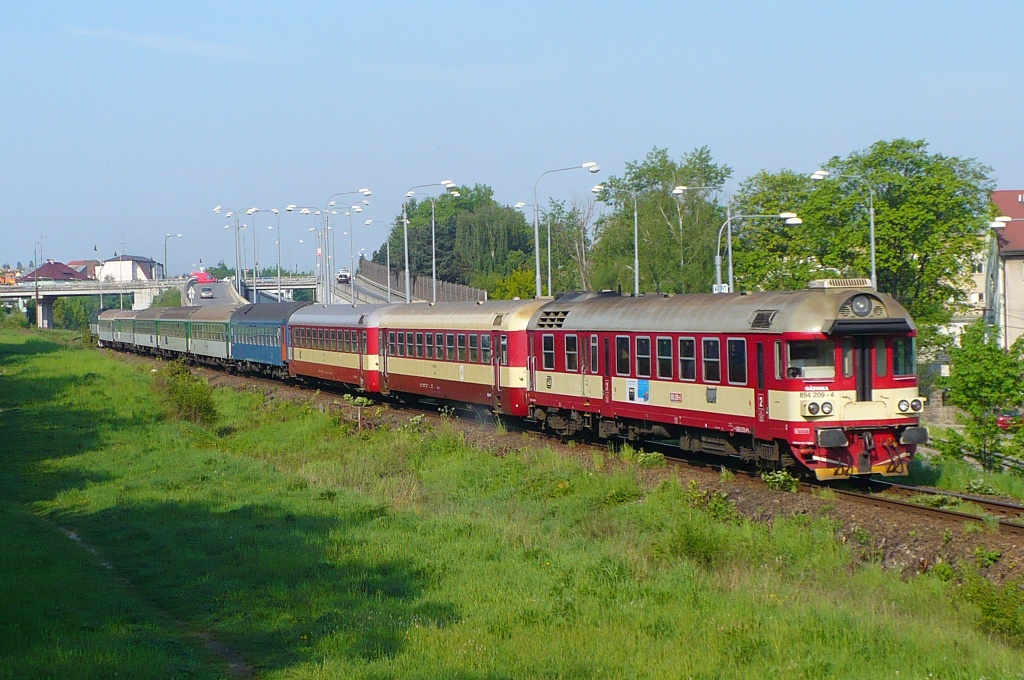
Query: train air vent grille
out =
(762, 320)
(552, 319)
(498, 318)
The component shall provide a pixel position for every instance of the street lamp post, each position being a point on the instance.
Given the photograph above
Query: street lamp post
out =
(387, 244)
(636, 233)
(228, 215)
(821, 174)
(165, 250)
(366, 193)
(317, 269)
(449, 186)
(277, 214)
(589, 166)
(790, 218)
(450, 190)
(519, 206)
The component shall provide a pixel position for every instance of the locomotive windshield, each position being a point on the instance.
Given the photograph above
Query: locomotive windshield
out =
(813, 359)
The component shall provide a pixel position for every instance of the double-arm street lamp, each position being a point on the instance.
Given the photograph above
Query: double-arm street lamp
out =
(598, 190)
(387, 243)
(451, 191)
(165, 250)
(365, 193)
(277, 214)
(228, 215)
(589, 166)
(449, 186)
(790, 218)
(317, 269)
(349, 209)
(821, 174)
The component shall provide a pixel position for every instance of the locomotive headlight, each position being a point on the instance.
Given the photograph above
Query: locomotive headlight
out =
(826, 408)
(904, 405)
(916, 405)
(861, 305)
(813, 408)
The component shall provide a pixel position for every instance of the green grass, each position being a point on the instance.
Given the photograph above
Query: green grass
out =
(315, 552)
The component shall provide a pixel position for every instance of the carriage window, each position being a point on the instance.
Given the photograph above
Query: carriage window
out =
(737, 350)
(881, 359)
(572, 353)
(419, 345)
(903, 356)
(621, 355)
(438, 346)
(847, 357)
(334, 339)
(485, 349)
(410, 344)
(593, 354)
(401, 343)
(450, 342)
(548, 352)
(687, 359)
(712, 360)
(503, 349)
(462, 346)
(643, 357)
(430, 345)
(391, 343)
(473, 341)
(778, 359)
(813, 359)
(665, 358)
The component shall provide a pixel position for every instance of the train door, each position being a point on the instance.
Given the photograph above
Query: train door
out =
(385, 341)
(607, 376)
(360, 354)
(593, 384)
(862, 367)
(497, 341)
(761, 427)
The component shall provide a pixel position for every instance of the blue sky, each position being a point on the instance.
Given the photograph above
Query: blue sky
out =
(123, 121)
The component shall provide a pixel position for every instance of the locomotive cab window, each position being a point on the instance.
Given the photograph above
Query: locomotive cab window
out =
(737, 351)
(813, 359)
(903, 357)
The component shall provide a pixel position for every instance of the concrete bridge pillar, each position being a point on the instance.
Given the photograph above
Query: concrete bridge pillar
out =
(44, 312)
(144, 298)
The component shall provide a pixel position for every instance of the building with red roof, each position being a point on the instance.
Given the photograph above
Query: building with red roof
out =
(1006, 308)
(54, 271)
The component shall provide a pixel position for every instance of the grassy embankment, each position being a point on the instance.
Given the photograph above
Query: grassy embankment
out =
(311, 551)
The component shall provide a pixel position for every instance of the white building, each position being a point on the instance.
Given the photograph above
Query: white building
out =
(129, 268)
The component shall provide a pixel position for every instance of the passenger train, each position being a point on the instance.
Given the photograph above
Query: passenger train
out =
(821, 381)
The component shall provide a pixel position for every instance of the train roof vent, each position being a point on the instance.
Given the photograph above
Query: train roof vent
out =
(552, 319)
(762, 319)
(840, 283)
(498, 318)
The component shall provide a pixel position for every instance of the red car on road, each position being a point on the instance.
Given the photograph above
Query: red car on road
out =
(1009, 420)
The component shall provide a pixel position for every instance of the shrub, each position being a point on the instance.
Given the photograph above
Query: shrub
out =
(191, 397)
(780, 480)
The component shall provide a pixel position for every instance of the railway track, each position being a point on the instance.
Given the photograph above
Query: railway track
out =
(1009, 517)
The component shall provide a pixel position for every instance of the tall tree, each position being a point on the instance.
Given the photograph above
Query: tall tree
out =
(930, 210)
(676, 234)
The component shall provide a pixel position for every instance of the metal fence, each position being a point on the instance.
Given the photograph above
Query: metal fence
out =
(422, 288)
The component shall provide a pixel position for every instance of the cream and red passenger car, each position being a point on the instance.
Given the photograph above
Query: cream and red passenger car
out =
(822, 378)
(460, 352)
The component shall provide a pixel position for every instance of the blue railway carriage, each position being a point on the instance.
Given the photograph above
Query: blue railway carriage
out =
(258, 337)
(209, 338)
(172, 330)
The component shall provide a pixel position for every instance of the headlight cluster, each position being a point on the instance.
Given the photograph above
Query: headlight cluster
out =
(813, 408)
(914, 405)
